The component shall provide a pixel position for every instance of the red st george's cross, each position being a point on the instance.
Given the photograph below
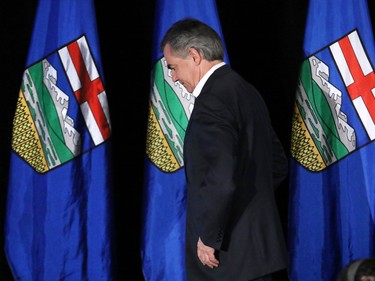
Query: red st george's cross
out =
(88, 89)
(359, 77)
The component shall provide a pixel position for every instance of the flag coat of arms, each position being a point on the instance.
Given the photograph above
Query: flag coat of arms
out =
(163, 226)
(58, 215)
(332, 184)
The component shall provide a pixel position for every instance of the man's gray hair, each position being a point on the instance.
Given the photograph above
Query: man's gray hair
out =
(192, 33)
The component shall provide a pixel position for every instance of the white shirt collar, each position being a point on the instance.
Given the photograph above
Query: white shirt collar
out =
(201, 82)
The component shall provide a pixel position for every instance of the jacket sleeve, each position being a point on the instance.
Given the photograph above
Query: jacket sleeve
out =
(211, 152)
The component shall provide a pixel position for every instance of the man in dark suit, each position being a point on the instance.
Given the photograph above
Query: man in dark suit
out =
(233, 162)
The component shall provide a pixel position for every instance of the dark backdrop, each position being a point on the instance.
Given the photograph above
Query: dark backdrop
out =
(263, 43)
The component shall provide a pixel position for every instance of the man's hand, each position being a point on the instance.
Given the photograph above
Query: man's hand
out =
(206, 255)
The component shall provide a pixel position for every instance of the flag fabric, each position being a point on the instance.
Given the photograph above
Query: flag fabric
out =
(58, 214)
(332, 180)
(163, 226)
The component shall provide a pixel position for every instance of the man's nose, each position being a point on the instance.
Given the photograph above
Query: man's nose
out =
(174, 77)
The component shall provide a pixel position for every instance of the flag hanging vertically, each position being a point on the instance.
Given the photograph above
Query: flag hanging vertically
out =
(163, 234)
(58, 217)
(332, 179)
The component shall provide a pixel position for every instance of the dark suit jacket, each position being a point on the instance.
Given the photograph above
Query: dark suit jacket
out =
(233, 162)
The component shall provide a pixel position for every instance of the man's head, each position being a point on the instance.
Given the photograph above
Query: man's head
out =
(191, 33)
(359, 270)
(191, 48)
(366, 270)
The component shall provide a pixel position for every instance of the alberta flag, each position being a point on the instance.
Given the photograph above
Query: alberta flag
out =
(163, 235)
(58, 217)
(332, 183)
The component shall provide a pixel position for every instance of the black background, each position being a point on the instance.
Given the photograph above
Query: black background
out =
(264, 44)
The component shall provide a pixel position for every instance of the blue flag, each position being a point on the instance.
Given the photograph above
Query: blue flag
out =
(163, 235)
(332, 180)
(58, 216)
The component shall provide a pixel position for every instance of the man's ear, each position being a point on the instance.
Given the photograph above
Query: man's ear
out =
(195, 55)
